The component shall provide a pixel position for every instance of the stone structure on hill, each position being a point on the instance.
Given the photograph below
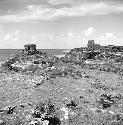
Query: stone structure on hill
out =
(95, 52)
(30, 48)
(91, 46)
(30, 59)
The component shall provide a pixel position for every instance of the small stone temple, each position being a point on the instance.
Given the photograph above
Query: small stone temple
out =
(30, 48)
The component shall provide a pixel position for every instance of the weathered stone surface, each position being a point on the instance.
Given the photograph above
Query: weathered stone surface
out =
(1, 122)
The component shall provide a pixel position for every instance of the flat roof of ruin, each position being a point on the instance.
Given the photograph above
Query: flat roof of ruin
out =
(29, 45)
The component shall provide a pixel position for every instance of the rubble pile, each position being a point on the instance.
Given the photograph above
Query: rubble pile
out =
(78, 56)
(29, 61)
(105, 58)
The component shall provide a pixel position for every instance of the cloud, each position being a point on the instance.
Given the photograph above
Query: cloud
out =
(108, 38)
(46, 13)
(89, 31)
(70, 34)
(12, 36)
(15, 39)
(17, 32)
(59, 2)
(8, 36)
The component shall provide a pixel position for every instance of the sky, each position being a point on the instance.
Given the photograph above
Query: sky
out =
(60, 24)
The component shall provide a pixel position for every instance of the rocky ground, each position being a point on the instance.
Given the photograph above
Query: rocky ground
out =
(53, 92)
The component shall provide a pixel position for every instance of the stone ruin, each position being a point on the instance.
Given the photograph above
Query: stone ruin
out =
(30, 48)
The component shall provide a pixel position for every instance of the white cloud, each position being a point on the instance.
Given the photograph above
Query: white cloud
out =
(58, 2)
(40, 12)
(8, 36)
(89, 31)
(108, 38)
(12, 35)
(17, 32)
(70, 34)
(15, 39)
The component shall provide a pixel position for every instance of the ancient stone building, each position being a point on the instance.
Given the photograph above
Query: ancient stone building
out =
(30, 48)
(90, 45)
